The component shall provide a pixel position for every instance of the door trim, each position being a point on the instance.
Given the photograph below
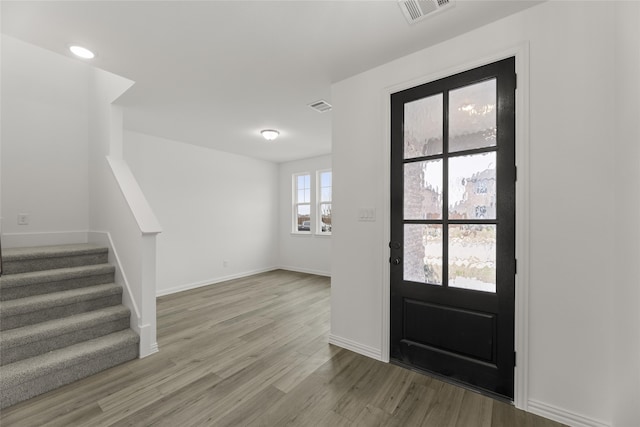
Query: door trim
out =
(521, 53)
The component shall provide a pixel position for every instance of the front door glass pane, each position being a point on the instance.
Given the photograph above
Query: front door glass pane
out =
(472, 116)
(423, 253)
(472, 186)
(423, 127)
(423, 190)
(472, 257)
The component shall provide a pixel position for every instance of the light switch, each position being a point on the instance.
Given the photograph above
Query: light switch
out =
(366, 214)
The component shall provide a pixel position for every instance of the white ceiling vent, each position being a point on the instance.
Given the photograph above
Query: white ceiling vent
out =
(320, 106)
(417, 10)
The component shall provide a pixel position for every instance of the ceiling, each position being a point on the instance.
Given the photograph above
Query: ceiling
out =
(214, 73)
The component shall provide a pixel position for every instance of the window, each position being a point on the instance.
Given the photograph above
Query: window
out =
(312, 203)
(324, 202)
(302, 202)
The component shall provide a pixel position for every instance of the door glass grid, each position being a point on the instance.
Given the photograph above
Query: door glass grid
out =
(456, 246)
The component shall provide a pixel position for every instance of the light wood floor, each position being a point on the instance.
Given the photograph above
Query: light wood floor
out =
(254, 352)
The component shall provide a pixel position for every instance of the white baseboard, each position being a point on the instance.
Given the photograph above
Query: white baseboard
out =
(305, 270)
(147, 346)
(562, 415)
(153, 348)
(23, 240)
(199, 284)
(356, 347)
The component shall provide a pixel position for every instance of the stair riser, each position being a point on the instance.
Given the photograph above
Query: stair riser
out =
(7, 294)
(13, 354)
(12, 395)
(30, 318)
(50, 263)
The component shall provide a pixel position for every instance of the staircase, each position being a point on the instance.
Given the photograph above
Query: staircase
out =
(61, 319)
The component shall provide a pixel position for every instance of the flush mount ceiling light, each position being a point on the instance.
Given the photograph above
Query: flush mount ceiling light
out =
(270, 134)
(82, 52)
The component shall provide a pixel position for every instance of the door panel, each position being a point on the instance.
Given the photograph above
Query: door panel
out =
(476, 330)
(452, 227)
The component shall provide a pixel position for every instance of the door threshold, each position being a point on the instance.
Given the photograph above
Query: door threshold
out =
(452, 381)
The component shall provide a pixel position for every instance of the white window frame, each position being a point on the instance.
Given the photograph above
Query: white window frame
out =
(297, 203)
(320, 202)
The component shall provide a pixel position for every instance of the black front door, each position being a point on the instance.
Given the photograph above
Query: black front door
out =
(452, 246)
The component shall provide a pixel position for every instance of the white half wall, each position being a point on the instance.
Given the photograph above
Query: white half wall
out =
(44, 169)
(572, 216)
(308, 253)
(114, 203)
(213, 207)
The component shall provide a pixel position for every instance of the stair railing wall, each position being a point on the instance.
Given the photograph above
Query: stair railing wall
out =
(119, 213)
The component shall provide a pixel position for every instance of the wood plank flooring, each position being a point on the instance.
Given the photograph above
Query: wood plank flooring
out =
(254, 352)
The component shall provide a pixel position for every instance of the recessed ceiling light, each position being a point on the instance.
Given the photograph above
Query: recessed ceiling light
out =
(82, 52)
(270, 134)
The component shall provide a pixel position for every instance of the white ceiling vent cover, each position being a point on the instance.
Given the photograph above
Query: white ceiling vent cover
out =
(417, 10)
(321, 106)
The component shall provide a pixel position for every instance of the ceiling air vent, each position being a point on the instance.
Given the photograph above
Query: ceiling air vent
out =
(320, 106)
(417, 10)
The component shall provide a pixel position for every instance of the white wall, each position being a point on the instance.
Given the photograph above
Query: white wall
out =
(44, 143)
(213, 206)
(626, 285)
(573, 76)
(308, 253)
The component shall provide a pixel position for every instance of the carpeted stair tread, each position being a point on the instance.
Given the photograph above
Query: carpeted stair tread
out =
(32, 340)
(42, 308)
(64, 358)
(18, 254)
(21, 285)
(21, 260)
(56, 275)
(31, 377)
(40, 302)
(31, 333)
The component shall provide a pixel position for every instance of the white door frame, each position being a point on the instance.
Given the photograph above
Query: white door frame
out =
(521, 53)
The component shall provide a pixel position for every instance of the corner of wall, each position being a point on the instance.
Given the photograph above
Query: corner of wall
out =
(356, 347)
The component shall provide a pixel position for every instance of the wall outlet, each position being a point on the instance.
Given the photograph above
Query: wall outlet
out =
(225, 263)
(23, 219)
